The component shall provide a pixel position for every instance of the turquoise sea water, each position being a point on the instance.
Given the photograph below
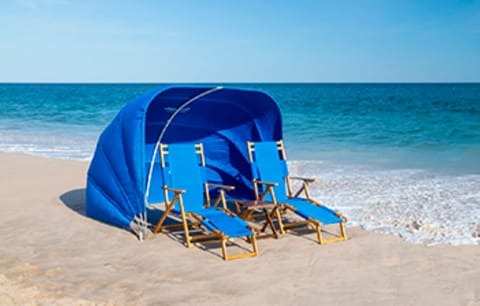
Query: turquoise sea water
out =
(395, 158)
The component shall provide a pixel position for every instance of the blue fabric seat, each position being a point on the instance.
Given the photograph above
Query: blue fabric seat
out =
(233, 227)
(273, 183)
(183, 167)
(305, 209)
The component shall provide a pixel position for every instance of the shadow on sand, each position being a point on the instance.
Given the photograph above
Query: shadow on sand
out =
(75, 200)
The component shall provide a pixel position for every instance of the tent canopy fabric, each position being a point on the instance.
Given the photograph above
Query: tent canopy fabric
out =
(124, 174)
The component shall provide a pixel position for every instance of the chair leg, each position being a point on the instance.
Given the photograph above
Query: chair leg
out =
(319, 233)
(188, 238)
(254, 245)
(280, 223)
(224, 248)
(159, 227)
(343, 231)
(253, 253)
(342, 237)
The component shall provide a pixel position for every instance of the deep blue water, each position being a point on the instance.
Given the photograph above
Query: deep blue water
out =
(433, 126)
(392, 125)
(386, 155)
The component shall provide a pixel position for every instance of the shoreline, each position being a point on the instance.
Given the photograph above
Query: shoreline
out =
(51, 253)
(410, 229)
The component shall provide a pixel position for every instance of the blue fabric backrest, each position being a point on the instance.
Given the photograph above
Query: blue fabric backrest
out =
(223, 121)
(184, 171)
(269, 167)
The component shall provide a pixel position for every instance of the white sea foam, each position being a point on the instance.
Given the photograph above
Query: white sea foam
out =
(48, 144)
(419, 206)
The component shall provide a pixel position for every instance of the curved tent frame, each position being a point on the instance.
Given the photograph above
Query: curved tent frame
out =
(160, 137)
(124, 172)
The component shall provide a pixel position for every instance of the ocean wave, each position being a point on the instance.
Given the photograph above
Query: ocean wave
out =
(48, 144)
(417, 205)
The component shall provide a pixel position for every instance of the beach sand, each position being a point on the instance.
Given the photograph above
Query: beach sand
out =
(52, 254)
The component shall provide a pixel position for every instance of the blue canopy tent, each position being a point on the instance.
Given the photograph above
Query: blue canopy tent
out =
(124, 175)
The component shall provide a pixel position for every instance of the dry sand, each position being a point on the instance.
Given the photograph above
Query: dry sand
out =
(52, 254)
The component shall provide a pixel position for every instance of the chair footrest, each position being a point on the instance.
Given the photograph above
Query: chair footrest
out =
(321, 213)
(233, 227)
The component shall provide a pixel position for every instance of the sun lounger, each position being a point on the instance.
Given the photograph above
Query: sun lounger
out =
(187, 194)
(272, 182)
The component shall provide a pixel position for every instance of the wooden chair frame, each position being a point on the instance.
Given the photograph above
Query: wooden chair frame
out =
(199, 239)
(310, 223)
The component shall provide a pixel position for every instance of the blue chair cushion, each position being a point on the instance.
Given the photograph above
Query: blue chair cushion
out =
(308, 210)
(215, 218)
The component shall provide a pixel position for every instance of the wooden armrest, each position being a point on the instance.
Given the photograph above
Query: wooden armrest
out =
(266, 183)
(226, 187)
(305, 179)
(174, 189)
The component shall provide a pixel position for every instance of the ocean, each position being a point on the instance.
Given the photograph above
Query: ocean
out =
(400, 159)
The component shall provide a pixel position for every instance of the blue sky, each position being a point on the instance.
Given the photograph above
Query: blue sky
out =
(239, 41)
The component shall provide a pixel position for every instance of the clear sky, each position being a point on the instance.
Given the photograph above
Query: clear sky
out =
(239, 41)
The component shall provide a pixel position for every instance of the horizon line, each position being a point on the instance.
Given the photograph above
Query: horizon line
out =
(239, 82)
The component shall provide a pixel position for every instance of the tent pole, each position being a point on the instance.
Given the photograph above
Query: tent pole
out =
(156, 148)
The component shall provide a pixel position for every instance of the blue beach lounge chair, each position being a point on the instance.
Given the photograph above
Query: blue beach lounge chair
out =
(183, 167)
(272, 183)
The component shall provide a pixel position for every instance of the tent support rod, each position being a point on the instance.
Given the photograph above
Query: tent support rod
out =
(179, 109)
(160, 137)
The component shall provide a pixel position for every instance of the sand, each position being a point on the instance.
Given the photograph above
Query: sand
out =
(52, 254)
